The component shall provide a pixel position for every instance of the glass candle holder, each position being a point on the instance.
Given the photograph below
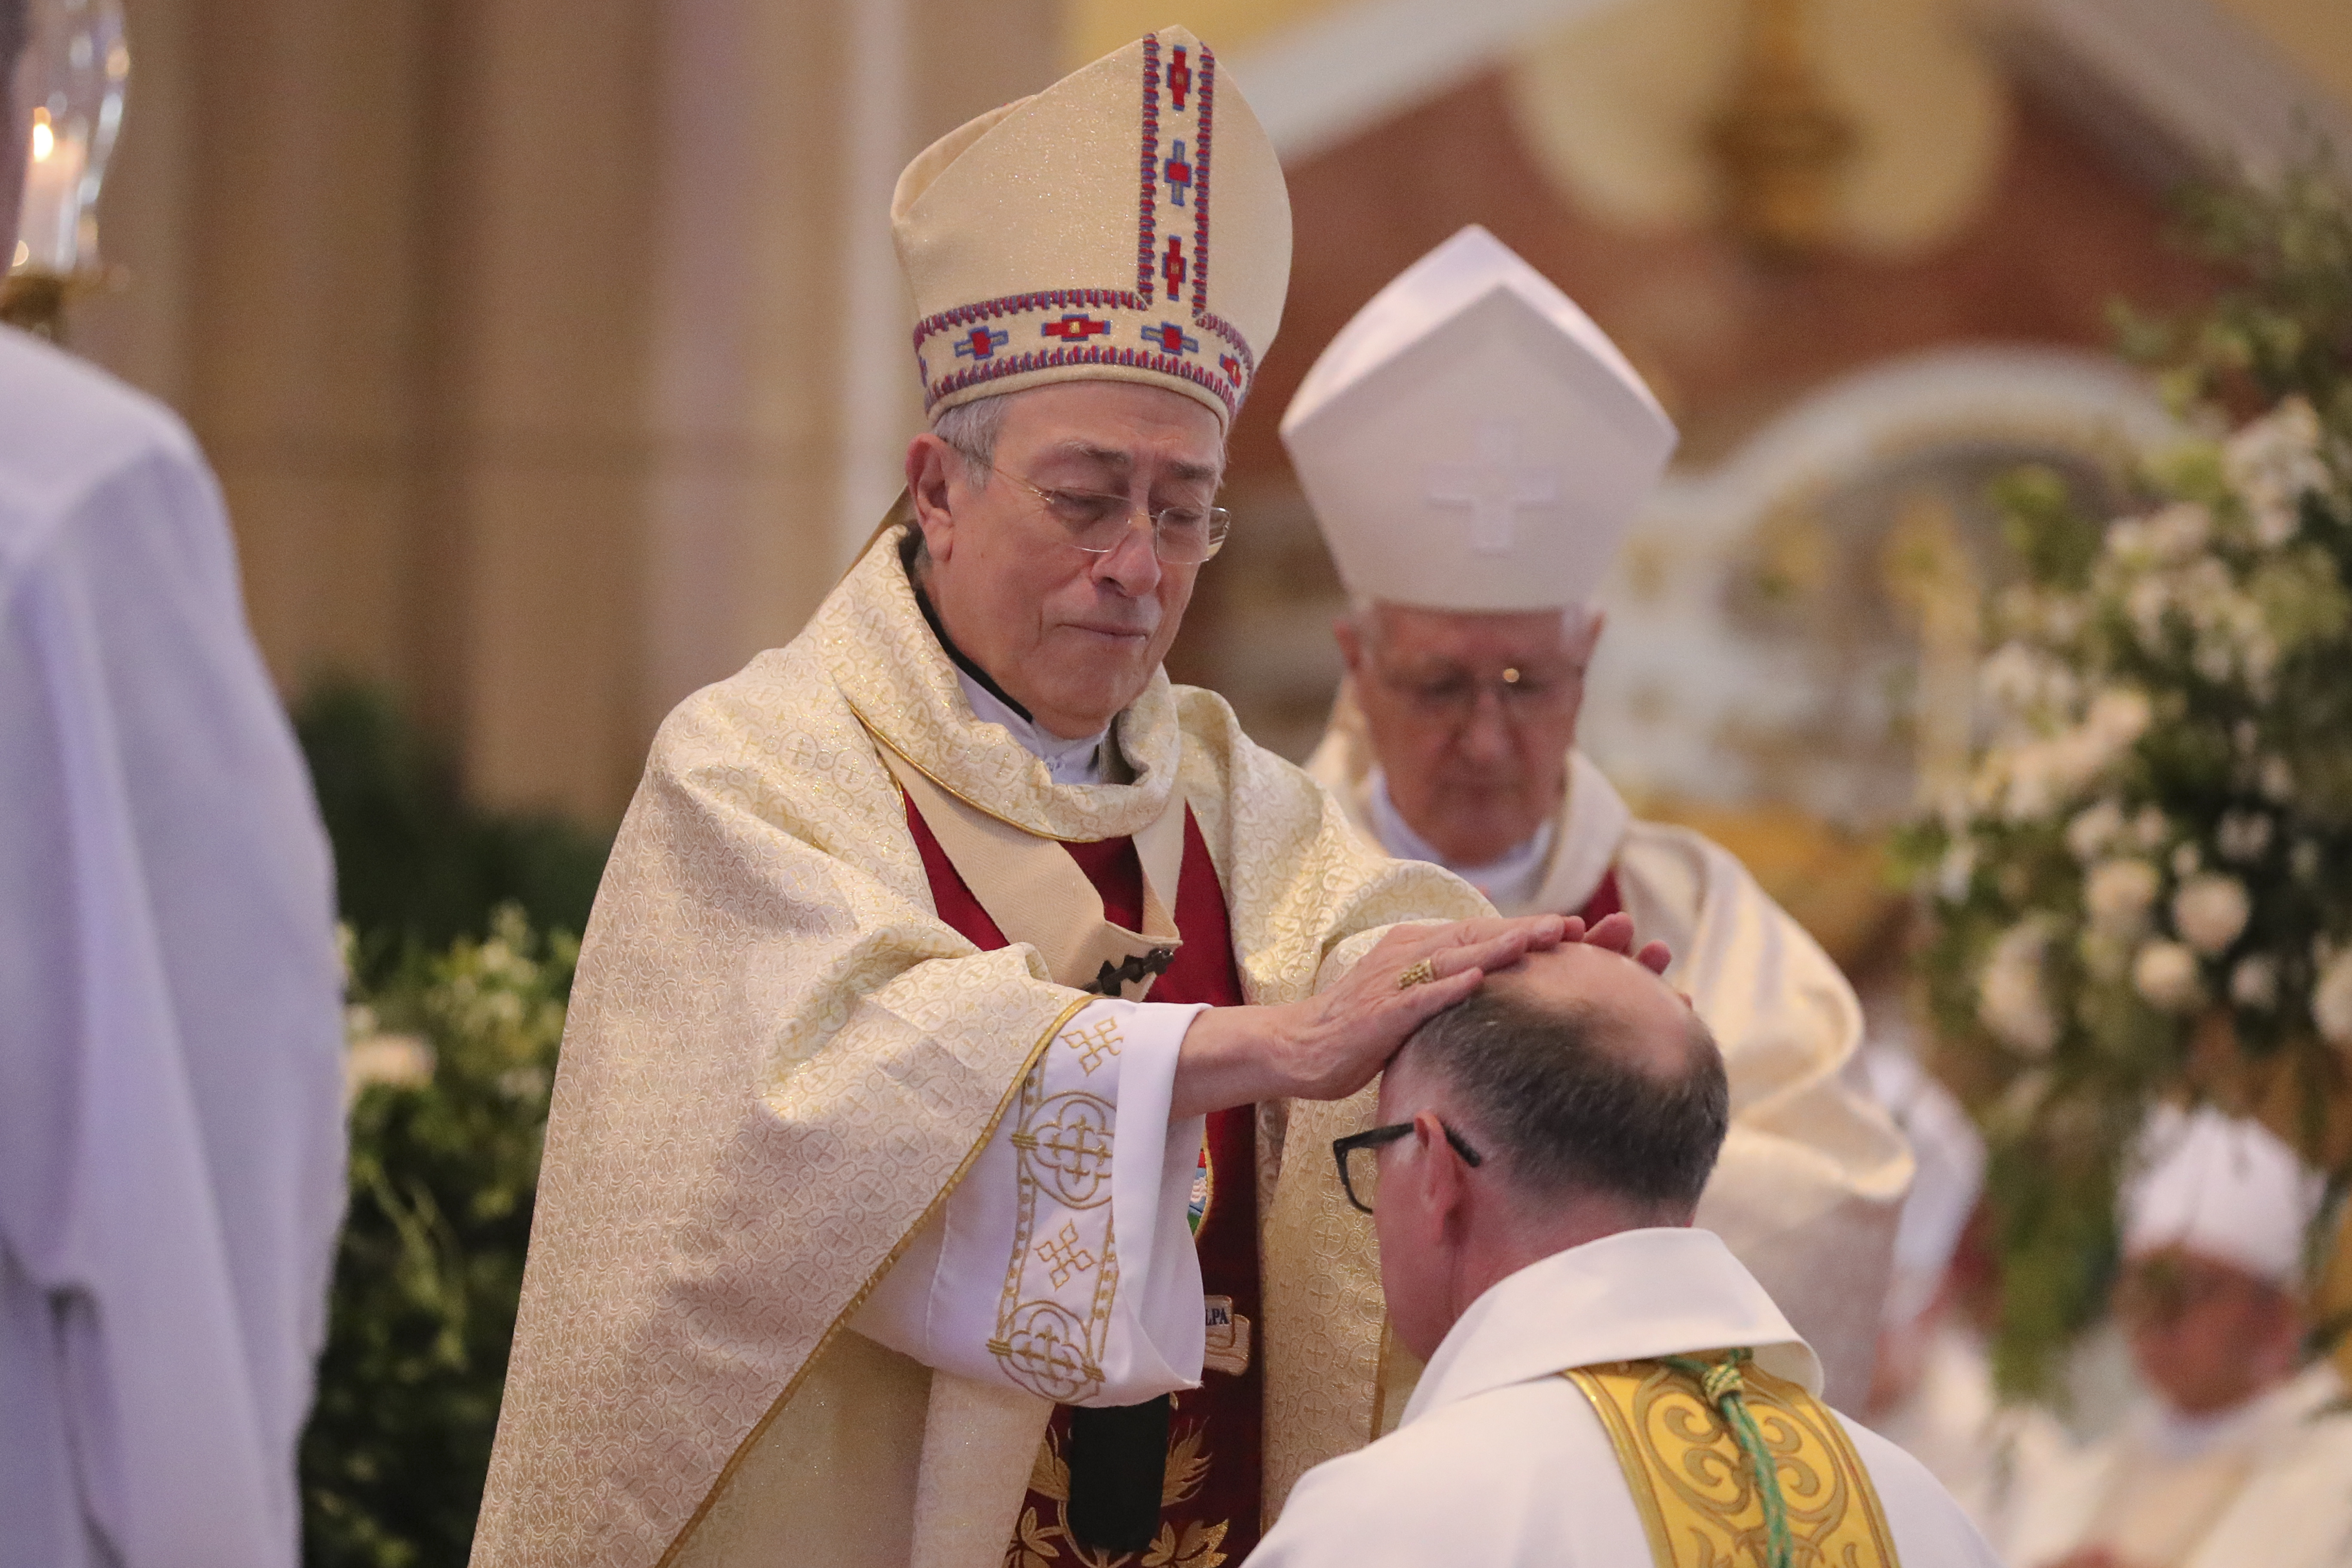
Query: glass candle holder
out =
(72, 74)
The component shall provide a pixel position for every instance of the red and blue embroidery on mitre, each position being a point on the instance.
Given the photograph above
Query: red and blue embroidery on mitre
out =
(1163, 323)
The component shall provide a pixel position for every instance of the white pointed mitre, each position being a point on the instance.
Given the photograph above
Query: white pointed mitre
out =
(2222, 1187)
(1472, 441)
(1129, 222)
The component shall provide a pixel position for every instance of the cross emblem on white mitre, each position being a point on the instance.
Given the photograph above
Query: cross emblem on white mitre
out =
(1494, 486)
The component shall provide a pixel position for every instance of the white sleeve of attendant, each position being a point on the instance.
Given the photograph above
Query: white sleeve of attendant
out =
(1062, 1262)
(172, 1138)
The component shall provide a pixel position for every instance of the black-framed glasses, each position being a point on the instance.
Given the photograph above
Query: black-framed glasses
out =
(1359, 1159)
(1098, 522)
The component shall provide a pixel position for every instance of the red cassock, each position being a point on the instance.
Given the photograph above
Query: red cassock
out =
(1214, 1487)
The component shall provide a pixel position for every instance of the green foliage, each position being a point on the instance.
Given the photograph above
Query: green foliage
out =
(2285, 328)
(415, 866)
(457, 1013)
(444, 1163)
(2153, 857)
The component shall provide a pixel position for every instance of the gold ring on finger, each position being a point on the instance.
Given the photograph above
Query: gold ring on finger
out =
(1421, 972)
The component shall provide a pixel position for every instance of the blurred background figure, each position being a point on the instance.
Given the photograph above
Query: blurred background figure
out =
(1932, 1389)
(171, 1071)
(2241, 1452)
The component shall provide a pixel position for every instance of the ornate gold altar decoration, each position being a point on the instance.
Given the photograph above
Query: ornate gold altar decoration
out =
(1780, 143)
(74, 72)
(1618, 103)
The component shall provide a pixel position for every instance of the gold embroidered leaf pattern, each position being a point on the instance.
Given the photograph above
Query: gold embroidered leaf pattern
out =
(1196, 1548)
(1050, 1476)
(1030, 1544)
(1696, 1490)
(1188, 1467)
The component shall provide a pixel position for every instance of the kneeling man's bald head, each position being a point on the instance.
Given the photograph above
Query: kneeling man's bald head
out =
(1583, 1074)
(1571, 1097)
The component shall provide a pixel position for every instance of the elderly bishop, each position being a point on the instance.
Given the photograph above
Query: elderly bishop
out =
(1475, 447)
(926, 1077)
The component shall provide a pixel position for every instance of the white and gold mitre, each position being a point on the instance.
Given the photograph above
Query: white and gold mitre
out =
(1129, 222)
(1472, 441)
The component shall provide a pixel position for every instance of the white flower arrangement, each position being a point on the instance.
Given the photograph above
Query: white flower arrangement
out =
(2167, 779)
(2144, 887)
(2156, 834)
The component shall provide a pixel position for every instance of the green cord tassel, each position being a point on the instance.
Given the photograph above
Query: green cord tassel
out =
(1720, 1386)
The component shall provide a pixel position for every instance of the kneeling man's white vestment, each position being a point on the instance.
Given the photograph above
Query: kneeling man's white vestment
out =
(1501, 1460)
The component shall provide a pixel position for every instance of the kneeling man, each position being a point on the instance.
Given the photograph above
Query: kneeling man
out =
(1605, 1384)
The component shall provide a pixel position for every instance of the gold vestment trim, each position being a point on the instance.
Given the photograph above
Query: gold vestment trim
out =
(832, 1330)
(1694, 1485)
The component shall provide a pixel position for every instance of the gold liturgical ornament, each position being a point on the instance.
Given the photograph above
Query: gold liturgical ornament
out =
(1780, 143)
(73, 75)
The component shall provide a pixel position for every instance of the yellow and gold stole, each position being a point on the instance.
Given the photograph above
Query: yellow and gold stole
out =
(1730, 1465)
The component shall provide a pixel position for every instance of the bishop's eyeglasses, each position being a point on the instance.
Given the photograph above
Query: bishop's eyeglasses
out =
(1360, 1163)
(1098, 522)
(1452, 694)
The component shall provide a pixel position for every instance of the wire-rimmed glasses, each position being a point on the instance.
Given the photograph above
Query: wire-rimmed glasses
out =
(1098, 522)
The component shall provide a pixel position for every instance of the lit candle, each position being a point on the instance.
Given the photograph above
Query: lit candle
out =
(51, 215)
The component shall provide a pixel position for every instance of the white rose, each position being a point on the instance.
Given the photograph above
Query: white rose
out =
(2331, 1001)
(2272, 462)
(2119, 893)
(2253, 983)
(2010, 1000)
(2033, 784)
(2180, 531)
(403, 1061)
(2276, 514)
(2012, 676)
(2120, 715)
(2277, 779)
(2210, 911)
(2165, 973)
(1956, 871)
(2092, 831)
(2149, 828)
(2147, 604)
(2076, 757)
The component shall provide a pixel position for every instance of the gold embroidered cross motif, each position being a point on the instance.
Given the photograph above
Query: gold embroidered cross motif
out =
(1044, 1349)
(1063, 1256)
(1073, 1151)
(1094, 1045)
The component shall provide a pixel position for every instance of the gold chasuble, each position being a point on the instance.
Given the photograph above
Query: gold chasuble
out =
(1728, 1464)
(781, 1060)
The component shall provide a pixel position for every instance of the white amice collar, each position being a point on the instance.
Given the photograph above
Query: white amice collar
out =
(1078, 762)
(1514, 879)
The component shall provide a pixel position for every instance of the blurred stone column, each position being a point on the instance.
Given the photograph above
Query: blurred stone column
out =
(547, 115)
(785, 390)
(550, 351)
